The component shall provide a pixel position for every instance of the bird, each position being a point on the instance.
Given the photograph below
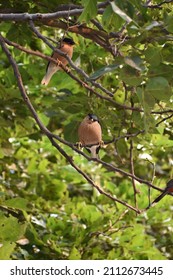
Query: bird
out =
(167, 190)
(90, 132)
(66, 46)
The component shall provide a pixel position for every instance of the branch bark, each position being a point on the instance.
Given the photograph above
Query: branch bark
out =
(40, 17)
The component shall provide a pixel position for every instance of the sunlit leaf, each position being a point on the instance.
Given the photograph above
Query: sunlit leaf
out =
(103, 70)
(135, 62)
(119, 12)
(17, 203)
(90, 10)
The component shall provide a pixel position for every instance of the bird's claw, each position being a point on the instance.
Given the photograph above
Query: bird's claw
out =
(79, 145)
(101, 143)
(68, 70)
(59, 63)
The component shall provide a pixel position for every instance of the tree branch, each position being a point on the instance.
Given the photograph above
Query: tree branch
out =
(109, 166)
(100, 37)
(133, 172)
(66, 10)
(41, 17)
(157, 5)
(164, 119)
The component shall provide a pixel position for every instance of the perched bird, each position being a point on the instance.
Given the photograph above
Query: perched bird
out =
(89, 132)
(66, 46)
(167, 190)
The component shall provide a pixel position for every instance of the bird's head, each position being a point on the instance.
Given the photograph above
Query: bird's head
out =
(68, 41)
(92, 118)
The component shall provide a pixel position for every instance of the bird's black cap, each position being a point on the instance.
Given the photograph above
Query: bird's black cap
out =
(68, 41)
(170, 183)
(93, 117)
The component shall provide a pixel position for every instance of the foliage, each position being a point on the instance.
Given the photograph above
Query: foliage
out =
(48, 209)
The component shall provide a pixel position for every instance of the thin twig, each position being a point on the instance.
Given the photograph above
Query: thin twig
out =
(132, 162)
(162, 112)
(153, 175)
(164, 119)
(133, 172)
(157, 5)
(98, 36)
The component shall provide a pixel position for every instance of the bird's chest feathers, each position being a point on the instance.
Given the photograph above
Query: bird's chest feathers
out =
(91, 133)
(67, 49)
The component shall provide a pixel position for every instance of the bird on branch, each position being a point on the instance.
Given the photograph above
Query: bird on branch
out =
(90, 135)
(66, 46)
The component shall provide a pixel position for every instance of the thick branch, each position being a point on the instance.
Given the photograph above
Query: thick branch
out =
(40, 17)
(63, 11)
(100, 37)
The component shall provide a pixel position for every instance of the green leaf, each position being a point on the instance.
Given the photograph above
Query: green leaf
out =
(130, 76)
(90, 10)
(17, 203)
(110, 20)
(149, 121)
(162, 70)
(6, 249)
(44, 119)
(103, 70)
(153, 55)
(74, 254)
(159, 88)
(135, 62)
(11, 229)
(119, 12)
(161, 140)
(169, 23)
(152, 25)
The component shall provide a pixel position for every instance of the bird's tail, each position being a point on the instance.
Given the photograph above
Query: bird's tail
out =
(48, 75)
(94, 150)
(159, 197)
(45, 80)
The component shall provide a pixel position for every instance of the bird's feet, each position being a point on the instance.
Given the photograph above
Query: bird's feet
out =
(101, 143)
(68, 70)
(59, 63)
(79, 145)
